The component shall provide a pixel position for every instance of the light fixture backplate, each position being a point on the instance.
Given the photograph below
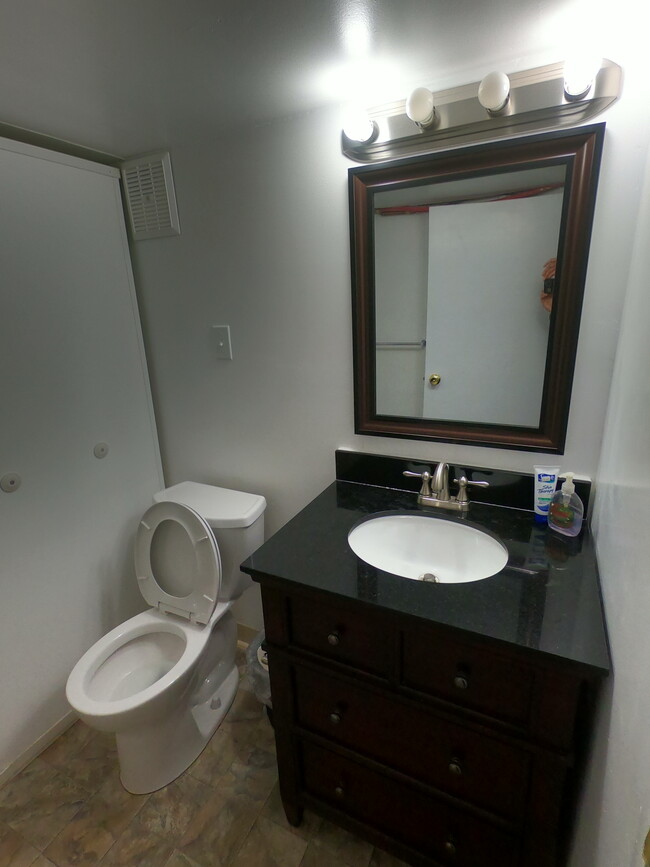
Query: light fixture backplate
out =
(537, 102)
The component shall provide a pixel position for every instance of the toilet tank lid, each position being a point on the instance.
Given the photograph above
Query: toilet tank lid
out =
(220, 507)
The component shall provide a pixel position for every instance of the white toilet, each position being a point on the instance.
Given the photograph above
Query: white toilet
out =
(164, 680)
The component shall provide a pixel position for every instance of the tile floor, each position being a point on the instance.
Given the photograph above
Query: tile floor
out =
(68, 808)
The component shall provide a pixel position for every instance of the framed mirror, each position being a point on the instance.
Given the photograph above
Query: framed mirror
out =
(468, 272)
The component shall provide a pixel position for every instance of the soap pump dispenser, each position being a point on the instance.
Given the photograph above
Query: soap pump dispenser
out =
(566, 510)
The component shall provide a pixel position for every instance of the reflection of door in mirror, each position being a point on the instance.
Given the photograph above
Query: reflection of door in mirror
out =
(458, 279)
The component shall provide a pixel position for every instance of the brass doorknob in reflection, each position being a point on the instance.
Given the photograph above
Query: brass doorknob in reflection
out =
(434, 380)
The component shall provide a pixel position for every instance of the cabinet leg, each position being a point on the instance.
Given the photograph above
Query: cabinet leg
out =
(293, 813)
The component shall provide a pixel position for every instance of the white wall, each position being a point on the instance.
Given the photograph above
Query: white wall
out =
(401, 261)
(264, 249)
(616, 810)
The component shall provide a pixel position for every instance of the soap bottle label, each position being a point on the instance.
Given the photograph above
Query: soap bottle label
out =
(561, 515)
(545, 490)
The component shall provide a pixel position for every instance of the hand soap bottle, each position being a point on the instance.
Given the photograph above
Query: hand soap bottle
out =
(566, 510)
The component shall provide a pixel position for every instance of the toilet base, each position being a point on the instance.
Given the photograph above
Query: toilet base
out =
(153, 756)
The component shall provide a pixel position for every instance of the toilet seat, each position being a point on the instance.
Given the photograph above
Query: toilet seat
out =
(201, 559)
(109, 712)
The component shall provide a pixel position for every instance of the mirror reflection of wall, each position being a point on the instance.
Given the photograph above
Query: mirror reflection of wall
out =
(458, 280)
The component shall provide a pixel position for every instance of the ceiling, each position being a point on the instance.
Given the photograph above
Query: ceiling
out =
(126, 76)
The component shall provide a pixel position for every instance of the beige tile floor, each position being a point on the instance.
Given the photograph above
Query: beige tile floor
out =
(68, 808)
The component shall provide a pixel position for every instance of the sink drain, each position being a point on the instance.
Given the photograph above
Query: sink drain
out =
(429, 576)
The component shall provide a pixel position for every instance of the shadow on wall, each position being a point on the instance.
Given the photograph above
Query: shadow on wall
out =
(587, 837)
(119, 587)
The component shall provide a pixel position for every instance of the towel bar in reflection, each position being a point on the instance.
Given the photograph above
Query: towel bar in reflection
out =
(401, 344)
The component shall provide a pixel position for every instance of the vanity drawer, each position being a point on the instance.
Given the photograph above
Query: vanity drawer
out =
(432, 827)
(338, 633)
(470, 675)
(471, 766)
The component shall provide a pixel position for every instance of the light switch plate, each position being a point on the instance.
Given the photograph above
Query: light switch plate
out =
(221, 337)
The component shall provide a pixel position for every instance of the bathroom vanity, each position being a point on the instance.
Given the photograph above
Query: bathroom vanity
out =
(447, 723)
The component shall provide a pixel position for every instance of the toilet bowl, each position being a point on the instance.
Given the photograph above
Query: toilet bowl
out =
(163, 680)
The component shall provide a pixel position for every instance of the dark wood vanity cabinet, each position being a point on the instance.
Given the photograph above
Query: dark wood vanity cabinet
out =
(439, 745)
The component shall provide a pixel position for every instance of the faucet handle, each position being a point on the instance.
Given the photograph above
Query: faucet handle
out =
(463, 483)
(425, 475)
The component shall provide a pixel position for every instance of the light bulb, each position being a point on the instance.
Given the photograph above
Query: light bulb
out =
(494, 91)
(579, 75)
(358, 127)
(420, 108)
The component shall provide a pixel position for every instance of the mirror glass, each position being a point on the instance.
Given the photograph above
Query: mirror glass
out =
(467, 254)
(468, 275)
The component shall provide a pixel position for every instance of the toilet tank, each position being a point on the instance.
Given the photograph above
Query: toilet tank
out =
(237, 521)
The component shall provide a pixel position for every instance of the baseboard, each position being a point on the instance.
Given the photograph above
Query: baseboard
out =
(37, 747)
(245, 634)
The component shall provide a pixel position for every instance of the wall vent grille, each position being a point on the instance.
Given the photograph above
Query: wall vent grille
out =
(150, 196)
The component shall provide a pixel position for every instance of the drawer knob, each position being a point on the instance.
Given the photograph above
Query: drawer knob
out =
(455, 767)
(335, 717)
(461, 681)
(334, 638)
(339, 792)
(450, 847)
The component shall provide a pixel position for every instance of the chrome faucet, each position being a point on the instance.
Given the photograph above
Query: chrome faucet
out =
(440, 483)
(435, 489)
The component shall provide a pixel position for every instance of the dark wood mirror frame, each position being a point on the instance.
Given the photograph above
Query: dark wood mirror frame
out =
(579, 150)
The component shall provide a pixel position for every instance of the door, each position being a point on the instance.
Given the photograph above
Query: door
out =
(487, 332)
(77, 428)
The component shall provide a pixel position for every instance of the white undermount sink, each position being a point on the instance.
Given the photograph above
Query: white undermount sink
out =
(428, 549)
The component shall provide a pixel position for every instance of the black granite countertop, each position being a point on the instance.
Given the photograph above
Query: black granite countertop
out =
(547, 599)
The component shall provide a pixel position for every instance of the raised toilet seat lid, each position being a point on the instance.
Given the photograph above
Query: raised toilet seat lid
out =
(177, 561)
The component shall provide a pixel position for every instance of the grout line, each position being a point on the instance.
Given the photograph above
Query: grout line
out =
(256, 815)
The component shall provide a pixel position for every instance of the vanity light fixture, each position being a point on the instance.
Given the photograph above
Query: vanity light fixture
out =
(421, 108)
(544, 98)
(494, 92)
